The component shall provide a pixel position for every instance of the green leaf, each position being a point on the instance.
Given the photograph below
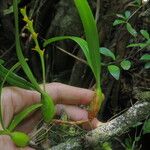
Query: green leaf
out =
(91, 46)
(127, 14)
(141, 45)
(125, 64)
(105, 51)
(22, 115)
(20, 56)
(1, 86)
(10, 9)
(48, 107)
(121, 16)
(146, 127)
(1, 61)
(145, 34)
(14, 79)
(148, 42)
(81, 42)
(118, 21)
(147, 65)
(131, 30)
(92, 37)
(114, 71)
(145, 57)
(139, 2)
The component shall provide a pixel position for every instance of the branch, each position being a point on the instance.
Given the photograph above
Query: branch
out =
(138, 112)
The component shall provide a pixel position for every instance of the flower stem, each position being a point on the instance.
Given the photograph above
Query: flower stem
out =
(43, 71)
(37, 48)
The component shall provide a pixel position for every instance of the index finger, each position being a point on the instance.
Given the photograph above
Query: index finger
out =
(65, 94)
(16, 99)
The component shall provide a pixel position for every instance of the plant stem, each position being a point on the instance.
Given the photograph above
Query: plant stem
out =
(43, 71)
(1, 86)
(41, 54)
(37, 48)
(99, 94)
(21, 58)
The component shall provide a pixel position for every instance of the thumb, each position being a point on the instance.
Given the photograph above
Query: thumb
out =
(7, 144)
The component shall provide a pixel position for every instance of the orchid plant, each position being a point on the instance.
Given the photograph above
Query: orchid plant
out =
(90, 47)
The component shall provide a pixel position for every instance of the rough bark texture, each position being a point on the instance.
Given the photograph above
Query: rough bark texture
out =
(138, 112)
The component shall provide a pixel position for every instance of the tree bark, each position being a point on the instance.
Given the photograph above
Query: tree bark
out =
(138, 112)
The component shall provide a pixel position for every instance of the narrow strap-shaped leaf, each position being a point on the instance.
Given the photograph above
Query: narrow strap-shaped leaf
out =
(92, 37)
(22, 115)
(81, 42)
(141, 45)
(14, 79)
(1, 86)
(19, 50)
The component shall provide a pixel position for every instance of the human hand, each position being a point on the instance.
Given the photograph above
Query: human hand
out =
(65, 97)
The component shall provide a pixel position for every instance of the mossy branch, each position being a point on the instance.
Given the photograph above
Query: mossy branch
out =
(138, 112)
